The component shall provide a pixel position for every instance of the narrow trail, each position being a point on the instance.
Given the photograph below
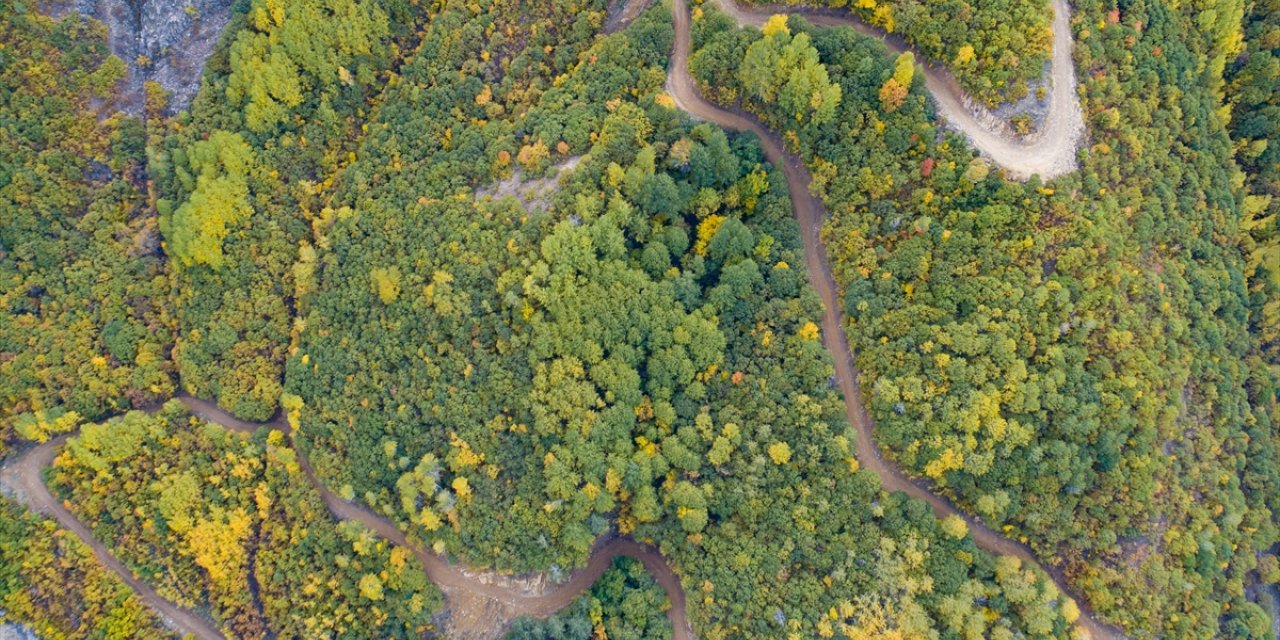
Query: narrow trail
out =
(1050, 152)
(24, 478)
(810, 214)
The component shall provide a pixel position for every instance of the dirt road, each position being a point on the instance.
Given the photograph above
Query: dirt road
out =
(1050, 153)
(499, 598)
(23, 477)
(810, 214)
(502, 598)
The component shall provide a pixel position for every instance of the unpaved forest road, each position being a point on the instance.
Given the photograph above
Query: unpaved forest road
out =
(810, 214)
(507, 599)
(1050, 152)
(492, 600)
(23, 477)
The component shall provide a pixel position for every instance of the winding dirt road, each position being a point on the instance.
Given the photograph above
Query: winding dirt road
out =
(512, 598)
(1050, 152)
(810, 214)
(495, 598)
(23, 478)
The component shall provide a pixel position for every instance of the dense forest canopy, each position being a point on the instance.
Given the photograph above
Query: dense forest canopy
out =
(511, 298)
(74, 228)
(236, 178)
(1253, 93)
(53, 585)
(635, 352)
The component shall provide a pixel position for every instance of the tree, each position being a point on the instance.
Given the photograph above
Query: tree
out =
(371, 587)
(892, 95)
(386, 283)
(690, 507)
(759, 70)
(904, 68)
(784, 69)
(220, 200)
(780, 453)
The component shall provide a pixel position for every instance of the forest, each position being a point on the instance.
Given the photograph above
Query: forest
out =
(236, 178)
(512, 380)
(1036, 359)
(1253, 94)
(509, 296)
(74, 227)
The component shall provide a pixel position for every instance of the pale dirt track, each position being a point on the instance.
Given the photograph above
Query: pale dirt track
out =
(810, 215)
(1049, 153)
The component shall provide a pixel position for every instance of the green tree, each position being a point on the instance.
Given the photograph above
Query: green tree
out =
(218, 202)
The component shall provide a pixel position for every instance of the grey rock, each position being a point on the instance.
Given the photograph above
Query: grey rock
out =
(167, 41)
(13, 631)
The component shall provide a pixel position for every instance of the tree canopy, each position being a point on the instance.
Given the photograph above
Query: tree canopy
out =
(635, 353)
(511, 298)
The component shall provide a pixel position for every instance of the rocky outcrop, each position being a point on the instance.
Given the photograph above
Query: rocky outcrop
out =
(167, 41)
(12, 631)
